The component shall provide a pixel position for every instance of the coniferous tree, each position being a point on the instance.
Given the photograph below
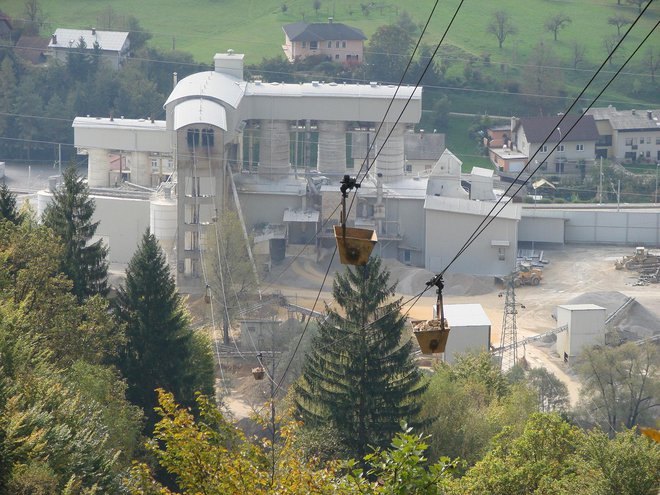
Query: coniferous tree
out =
(8, 209)
(360, 377)
(161, 349)
(70, 217)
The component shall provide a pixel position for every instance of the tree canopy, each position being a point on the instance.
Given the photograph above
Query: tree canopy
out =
(160, 345)
(359, 376)
(69, 215)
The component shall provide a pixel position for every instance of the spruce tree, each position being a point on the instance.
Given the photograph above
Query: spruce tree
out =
(359, 377)
(70, 217)
(8, 209)
(161, 350)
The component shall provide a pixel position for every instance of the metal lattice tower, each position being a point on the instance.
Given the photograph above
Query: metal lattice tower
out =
(509, 341)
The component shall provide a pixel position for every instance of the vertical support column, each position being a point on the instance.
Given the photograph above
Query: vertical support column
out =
(140, 168)
(390, 157)
(98, 170)
(274, 149)
(332, 147)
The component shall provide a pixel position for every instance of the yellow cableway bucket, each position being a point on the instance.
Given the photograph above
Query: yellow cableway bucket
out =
(431, 335)
(354, 245)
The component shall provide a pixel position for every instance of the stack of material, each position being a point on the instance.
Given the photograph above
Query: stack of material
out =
(431, 335)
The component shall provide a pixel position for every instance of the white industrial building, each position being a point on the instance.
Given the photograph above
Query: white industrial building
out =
(470, 330)
(586, 328)
(231, 143)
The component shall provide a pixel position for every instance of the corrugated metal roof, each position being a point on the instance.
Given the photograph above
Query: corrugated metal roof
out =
(303, 31)
(210, 84)
(199, 111)
(107, 40)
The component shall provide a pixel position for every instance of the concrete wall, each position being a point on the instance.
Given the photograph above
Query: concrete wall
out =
(120, 235)
(541, 229)
(639, 227)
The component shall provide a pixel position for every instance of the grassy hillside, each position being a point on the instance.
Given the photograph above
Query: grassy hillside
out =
(254, 26)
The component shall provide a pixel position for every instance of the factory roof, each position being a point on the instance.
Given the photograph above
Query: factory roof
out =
(209, 84)
(108, 122)
(466, 315)
(470, 207)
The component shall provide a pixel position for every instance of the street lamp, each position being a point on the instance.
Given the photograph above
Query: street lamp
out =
(656, 182)
(559, 157)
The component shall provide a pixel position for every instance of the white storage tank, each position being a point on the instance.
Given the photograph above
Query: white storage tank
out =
(44, 197)
(163, 219)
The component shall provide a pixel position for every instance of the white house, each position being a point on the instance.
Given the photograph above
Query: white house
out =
(113, 46)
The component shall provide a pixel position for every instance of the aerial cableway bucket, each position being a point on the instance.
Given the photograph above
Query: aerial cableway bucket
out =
(258, 373)
(354, 244)
(432, 334)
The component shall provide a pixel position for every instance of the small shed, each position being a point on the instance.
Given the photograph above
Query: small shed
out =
(586, 328)
(470, 330)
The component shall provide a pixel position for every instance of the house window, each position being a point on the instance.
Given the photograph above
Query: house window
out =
(641, 140)
(343, 44)
(406, 256)
(193, 137)
(648, 154)
(579, 147)
(304, 44)
(544, 148)
(629, 142)
(561, 148)
(408, 167)
(154, 164)
(313, 45)
(329, 44)
(336, 44)
(336, 56)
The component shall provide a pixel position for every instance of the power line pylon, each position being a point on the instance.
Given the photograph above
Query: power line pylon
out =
(509, 341)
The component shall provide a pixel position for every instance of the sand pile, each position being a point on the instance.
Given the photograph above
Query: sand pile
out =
(636, 322)
(413, 280)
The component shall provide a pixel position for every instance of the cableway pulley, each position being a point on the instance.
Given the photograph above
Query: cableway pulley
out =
(354, 244)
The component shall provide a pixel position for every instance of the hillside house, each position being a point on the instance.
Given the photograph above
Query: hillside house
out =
(341, 43)
(627, 135)
(114, 46)
(533, 138)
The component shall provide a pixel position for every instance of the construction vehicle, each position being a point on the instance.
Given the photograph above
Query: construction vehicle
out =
(527, 275)
(642, 260)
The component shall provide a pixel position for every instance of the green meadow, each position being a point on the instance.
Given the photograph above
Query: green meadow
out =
(254, 27)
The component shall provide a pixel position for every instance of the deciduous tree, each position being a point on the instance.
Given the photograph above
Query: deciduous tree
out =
(621, 385)
(556, 23)
(618, 21)
(69, 215)
(551, 392)
(501, 26)
(388, 53)
(359, 376)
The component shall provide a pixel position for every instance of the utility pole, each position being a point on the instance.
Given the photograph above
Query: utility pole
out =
(656, 182)
(618, 195)
(600, 183)
(509, 339)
